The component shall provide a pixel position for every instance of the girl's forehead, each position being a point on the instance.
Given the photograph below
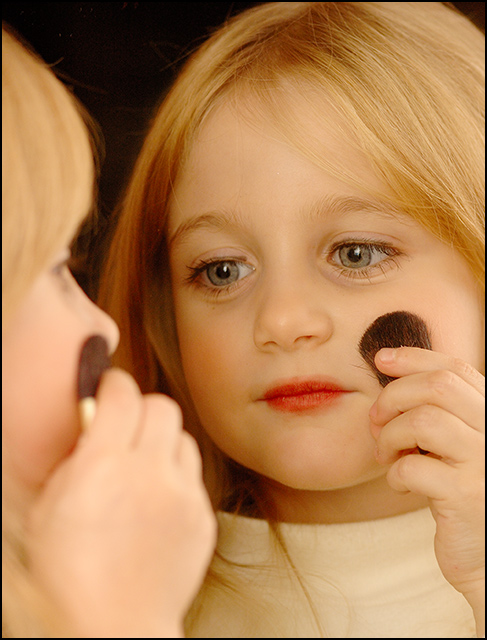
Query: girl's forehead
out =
(304, 123)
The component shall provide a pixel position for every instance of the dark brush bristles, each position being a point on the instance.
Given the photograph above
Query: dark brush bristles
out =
(94, 360)
(396, 329)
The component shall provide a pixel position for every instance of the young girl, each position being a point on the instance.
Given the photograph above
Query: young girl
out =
(315, 166)
(107, 534)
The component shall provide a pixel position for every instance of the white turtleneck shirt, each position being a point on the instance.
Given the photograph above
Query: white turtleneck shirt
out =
(376, 579)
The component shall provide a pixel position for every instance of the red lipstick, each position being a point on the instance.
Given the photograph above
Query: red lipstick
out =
(303, 396)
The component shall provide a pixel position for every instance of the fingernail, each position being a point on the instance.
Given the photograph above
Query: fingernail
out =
(387, 355)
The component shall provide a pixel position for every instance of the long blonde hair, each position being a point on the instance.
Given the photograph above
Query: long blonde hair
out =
(47, 190)
(407, 78)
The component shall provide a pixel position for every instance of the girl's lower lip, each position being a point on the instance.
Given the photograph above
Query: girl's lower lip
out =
(305, 402)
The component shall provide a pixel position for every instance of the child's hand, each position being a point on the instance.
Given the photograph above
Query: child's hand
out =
(123, 533)
(438, 404)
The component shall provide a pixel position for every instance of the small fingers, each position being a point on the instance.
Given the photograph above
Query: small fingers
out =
(162, 433)
(118, 412)
(441, 388)
(407, 360)
(422, 475)
(161, 424)
(451, 488)
(431, 429)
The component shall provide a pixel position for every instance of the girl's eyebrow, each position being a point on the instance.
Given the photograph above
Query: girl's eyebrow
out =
(343, 205)
(328, 205)
(211, 220)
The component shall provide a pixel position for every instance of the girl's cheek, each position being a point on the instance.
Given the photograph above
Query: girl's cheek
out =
(37, 438)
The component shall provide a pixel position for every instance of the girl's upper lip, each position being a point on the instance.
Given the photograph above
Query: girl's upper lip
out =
(297, 387)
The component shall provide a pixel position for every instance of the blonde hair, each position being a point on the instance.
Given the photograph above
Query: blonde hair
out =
(47, 189)
(47, 168)
(408, 80)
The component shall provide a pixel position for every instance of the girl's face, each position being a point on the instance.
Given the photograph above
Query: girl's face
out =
(277, 270)
(41, 350)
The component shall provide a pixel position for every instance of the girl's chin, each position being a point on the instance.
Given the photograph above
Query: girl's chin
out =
(324, 478)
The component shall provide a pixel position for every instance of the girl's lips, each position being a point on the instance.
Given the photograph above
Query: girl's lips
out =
(308, 395)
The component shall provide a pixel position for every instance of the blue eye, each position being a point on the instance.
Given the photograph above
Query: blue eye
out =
(219, 274)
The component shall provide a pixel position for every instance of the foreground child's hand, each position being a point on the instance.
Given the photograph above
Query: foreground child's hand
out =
(123, 532)
(438, 404)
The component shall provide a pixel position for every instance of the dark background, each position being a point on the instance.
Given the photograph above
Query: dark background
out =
(119, 58)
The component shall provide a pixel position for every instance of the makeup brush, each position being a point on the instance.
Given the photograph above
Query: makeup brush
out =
(94, 360)
(396, 329)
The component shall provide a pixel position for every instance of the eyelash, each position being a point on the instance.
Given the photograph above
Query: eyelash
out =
(391, 253)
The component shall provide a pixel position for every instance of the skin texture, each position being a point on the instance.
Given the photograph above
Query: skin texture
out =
(270, 287)
(46, 335)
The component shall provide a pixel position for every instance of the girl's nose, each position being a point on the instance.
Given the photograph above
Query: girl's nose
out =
(103, 324)
(291, 317)
(108, 328)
